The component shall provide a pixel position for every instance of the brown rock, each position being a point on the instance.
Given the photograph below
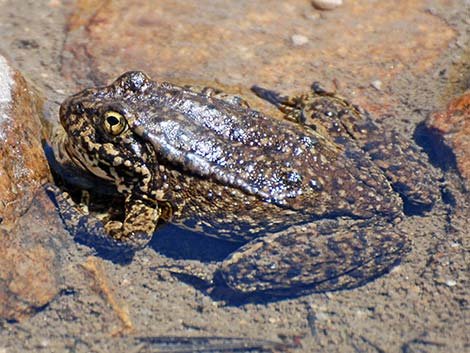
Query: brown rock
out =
(30, 261)
(29, 228)
(452, 128)
(23, 167)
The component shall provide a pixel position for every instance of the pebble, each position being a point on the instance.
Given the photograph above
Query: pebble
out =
(451, 283)
(326, 4)
(377, 84)
(298, 39)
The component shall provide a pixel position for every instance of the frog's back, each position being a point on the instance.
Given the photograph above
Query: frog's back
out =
(245, 161)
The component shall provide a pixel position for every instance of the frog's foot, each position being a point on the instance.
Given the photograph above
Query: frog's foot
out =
(288, 105)
(212, 92)
(303, 260)
(132, 234)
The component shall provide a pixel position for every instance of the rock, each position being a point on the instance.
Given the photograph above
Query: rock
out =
(377, 84)
(23, 167)
(104, 39)
(298, 39)
(31, 262)
(451, 128)
(326, 4)
(30, 241)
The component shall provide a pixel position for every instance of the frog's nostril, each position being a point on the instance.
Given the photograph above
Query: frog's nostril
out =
(79, 108)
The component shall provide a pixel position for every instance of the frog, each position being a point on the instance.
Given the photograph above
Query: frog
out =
(314, 199)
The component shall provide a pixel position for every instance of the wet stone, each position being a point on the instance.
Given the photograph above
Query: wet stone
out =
(451, 129)
(326, 4)
(23, 167)
(31, 262)
(29, 229)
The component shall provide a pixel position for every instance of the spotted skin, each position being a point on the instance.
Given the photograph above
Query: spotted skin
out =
(348, 124)
(313, 199)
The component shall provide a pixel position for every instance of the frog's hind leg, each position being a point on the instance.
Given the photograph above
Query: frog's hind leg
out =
(129, 236)
(301, 260)
(400, 160)
(352, 127)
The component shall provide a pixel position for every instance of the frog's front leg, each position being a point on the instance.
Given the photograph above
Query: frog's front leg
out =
(141, 216)
(302, 259)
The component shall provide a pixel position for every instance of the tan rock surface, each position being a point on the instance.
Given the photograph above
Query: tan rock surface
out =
(188, 40)
(30, 271)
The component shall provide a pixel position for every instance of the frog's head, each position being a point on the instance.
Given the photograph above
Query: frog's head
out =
(101, 137)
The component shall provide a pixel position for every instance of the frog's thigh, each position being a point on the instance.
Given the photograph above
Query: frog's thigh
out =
(300, 259)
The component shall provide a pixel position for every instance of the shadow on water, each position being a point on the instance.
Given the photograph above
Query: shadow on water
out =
(172, 242)
(177, 243)
(440, 155)
(180, 244)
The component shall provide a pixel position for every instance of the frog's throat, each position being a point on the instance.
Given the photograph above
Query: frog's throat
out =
(65, 156)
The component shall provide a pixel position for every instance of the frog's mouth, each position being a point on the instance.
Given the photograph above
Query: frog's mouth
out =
(86, 164)
(67, 163)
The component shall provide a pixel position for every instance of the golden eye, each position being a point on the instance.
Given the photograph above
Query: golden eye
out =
(114, 123)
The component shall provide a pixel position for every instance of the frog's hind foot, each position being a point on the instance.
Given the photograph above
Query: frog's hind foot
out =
(290, 106)
(331, 115)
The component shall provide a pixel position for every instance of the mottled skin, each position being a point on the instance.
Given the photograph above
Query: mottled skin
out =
(314, 197)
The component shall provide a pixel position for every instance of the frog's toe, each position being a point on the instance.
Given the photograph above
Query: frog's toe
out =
(270, 96)
(92, 231)
(318, 89)
(301, 260)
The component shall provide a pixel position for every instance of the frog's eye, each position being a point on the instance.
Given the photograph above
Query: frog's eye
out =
(114, 123)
